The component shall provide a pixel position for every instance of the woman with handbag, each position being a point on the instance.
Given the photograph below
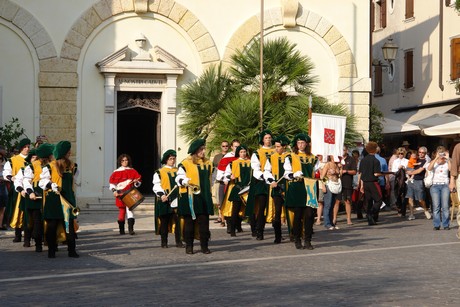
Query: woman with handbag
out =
(330, 172)
(439, 189)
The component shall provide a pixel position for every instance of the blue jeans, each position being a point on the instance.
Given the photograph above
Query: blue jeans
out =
(440, 202)
(328, 207)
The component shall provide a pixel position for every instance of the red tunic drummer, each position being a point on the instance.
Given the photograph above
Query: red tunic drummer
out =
(121, 180)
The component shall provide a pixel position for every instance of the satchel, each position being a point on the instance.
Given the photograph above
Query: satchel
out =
(334, 186)
(428, 180)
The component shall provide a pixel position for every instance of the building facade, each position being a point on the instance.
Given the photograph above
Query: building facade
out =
(104, 74)
(418, 91)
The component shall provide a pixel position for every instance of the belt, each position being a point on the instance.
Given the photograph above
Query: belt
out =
(439, 182)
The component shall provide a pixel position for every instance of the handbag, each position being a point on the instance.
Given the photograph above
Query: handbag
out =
(428, 180)
(334, 186)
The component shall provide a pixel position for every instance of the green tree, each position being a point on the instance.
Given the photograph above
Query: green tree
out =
(10, 134)
(222, 106)
(376, 126)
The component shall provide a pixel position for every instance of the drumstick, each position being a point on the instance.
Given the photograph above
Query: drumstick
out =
(170, 192)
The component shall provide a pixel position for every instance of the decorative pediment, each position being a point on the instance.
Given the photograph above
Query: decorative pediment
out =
(121, 62)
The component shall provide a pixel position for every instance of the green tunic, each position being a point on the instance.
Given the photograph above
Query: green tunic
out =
(202, 203)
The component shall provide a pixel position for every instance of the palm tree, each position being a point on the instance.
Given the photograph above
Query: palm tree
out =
(222, 105)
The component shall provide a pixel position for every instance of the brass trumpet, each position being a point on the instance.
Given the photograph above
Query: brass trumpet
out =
(195, 189)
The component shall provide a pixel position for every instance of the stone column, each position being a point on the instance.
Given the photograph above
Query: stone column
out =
(110, 133)
(168, 114)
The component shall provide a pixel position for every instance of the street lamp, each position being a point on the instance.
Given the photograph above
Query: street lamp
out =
(389, 50)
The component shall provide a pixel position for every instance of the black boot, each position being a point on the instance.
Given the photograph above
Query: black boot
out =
(204, 248)
(38, 247)
(17, 235)
(71, 245)
(121, 227)
(308, 245)
(277, 228)
(229, 225)
(189, 249)
(27, 235)
(298, 244)
(52, 250)
(164, 241)
(131, 226)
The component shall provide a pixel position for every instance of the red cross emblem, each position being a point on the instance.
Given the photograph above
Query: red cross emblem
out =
(329, 136)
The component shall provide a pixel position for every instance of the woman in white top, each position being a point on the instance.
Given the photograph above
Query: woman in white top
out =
(400, 161)
(440, 189)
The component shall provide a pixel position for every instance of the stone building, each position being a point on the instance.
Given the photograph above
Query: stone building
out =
(418, 90)
(104, 73)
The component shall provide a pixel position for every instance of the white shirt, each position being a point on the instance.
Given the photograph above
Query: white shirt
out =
(397, 163)
(441, 173)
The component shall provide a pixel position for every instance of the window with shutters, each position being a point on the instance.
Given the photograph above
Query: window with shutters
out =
(455, 58)
(409, 9)
(378, 80)
(379, 14)
(409, 69)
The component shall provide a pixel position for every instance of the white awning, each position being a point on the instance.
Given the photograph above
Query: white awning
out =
(394, 126)
(418, 119)
(443, 129)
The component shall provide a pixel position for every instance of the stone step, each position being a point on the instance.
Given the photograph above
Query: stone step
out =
(108, 204)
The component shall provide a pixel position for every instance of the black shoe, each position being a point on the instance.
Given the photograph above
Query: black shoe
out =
(180, 245)
(259, 237)
(189, 250)
(239, 229)
(277, 241)
(308, 245)
(232, 234)
(73, 254)
(26, 244)
(51, 253)
(38, 248)
(164, 245)
(437, 228)
(254, 234)
(17, 240)
(298, 245)
(205, 250)
(447, 228)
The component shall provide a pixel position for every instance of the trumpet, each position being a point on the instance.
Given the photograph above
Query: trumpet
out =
(195, 188)
(75, 210)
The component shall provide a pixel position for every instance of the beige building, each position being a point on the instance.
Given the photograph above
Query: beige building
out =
(104, 73)
(418, 91)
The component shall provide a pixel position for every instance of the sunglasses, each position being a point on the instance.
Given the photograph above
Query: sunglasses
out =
(224, 145)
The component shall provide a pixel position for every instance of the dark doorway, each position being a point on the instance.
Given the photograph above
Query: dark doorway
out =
(138, 135)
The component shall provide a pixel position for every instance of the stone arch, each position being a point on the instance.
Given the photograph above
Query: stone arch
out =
(31, 27)
(308, 19)
(105, 9)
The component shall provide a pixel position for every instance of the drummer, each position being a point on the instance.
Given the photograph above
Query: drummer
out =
(238, 174)
(121, 180)
(165, 188)
(273, 174)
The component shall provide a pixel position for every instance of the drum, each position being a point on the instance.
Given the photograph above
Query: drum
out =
(132, 198)
(244, 194)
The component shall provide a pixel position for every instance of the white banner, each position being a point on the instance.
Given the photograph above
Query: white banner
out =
(327, 134)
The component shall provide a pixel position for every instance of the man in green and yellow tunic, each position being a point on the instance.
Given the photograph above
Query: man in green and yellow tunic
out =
(165, 189)
(195, 198)
(258, 193)
(300, 194)
(15, 206)
(273, 174)
(236, 177)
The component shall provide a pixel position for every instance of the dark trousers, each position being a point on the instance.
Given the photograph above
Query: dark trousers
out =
(235, 220)
(276, 223)
(51, 234)
(203, 227)
(307, 214)
(373, 197)
(164, 226)
(262, 201)
(36, 231)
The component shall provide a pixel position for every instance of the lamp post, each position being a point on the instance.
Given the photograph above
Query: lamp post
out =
(261, 79)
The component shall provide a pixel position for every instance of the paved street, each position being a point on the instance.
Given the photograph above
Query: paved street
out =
(396, 263)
